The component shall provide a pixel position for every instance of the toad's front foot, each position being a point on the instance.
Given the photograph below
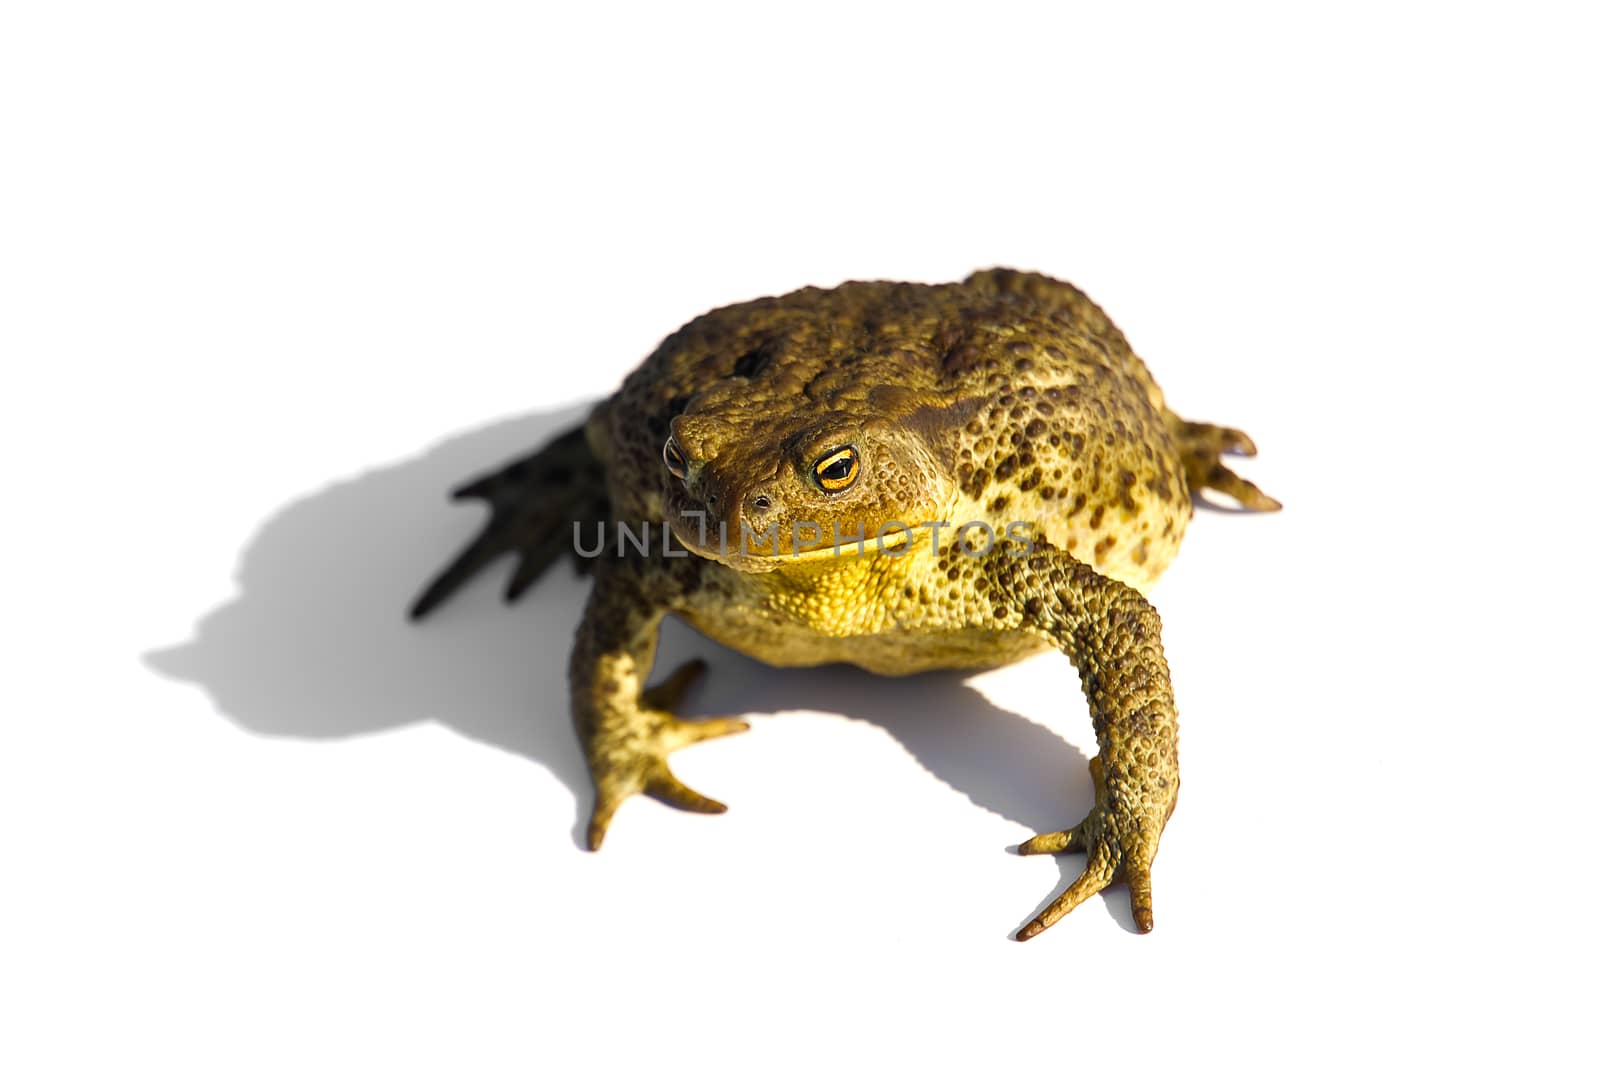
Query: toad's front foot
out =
(1121, 845)
(629, 756)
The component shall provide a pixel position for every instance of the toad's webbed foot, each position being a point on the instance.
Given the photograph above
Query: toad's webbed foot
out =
(1203, 446)
(629, 756)
(1120, 847)
(533, 503)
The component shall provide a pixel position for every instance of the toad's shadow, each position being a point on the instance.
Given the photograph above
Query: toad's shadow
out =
(315, 645)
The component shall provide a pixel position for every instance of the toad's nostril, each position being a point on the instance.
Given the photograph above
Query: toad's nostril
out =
(762, 503)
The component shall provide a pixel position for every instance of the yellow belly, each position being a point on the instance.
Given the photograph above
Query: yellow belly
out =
(895, 652)
(857, 611)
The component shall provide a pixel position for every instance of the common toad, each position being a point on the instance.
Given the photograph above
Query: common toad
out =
(894, 475)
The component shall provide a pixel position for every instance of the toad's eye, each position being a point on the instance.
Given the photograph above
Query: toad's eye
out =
(673, 456)
(838, 469)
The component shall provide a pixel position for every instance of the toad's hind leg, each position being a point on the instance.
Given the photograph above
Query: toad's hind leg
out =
(1202, 447)
(533, 503)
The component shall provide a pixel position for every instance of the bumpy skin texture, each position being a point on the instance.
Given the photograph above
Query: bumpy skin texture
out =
(1008, 398)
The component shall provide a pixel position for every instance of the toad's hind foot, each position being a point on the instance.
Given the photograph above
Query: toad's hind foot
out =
(1203, 446)
(533, 503)
(631, 757)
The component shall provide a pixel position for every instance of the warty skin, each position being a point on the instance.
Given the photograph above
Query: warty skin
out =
(1008, 398)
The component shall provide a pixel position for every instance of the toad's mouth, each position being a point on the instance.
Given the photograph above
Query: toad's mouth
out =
(856, 547)
(758, 551)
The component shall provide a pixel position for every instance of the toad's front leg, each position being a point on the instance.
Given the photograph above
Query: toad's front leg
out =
(1113, 637)
(628, 731)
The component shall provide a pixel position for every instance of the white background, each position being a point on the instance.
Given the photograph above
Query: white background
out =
(276, 276)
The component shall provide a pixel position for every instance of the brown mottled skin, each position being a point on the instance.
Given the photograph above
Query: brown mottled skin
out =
(1008, 398)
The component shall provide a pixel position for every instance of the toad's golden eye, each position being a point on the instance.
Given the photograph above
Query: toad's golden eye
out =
(673, 457)
(838, 469)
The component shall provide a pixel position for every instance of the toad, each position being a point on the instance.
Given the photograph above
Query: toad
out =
(897, 476)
